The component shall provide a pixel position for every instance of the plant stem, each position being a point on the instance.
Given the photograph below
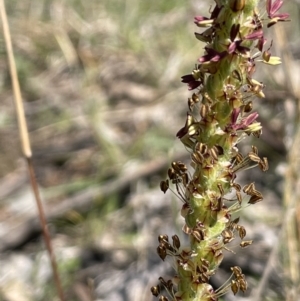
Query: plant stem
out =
(26, 148)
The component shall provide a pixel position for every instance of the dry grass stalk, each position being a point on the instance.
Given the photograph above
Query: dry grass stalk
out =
(26, 149)
(218, 120)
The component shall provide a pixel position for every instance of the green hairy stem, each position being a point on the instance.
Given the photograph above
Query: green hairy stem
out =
(220, 116)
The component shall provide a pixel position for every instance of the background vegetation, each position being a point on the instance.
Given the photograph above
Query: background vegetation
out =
(103, 99)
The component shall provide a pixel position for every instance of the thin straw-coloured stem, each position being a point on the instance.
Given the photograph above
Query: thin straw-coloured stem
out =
(26, 149)
(25, 143)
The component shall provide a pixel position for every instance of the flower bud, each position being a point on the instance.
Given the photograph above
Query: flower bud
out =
(237, 5)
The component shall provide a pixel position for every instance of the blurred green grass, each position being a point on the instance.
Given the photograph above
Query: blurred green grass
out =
(76, 61)
(71, 55)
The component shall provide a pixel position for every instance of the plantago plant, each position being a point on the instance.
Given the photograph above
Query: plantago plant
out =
(220, 116)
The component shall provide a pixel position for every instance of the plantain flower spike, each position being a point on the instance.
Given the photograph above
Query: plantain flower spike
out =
(220, 116)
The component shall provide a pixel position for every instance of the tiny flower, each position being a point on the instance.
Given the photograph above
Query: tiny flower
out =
(212, 55)
(272, 8)
(243, 123)
(268, 59)
(193, 80)
(255, 35)
(203, 21)
(237, 46)
(199, 19)
(260, 44)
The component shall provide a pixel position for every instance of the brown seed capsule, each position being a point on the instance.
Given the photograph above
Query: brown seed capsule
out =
(239, 158)
(201, 148)
(255, 199)
(191, 104)
(204, 110)
(232, 226)
(242, 231)
(176, 241)
(198, 234)
(236, 186)
(162, 252)
(185, 179)
(243, 285)
(237, 5)
(248, 107)
(248, 189)
(171, 174)
(176, 167)
(220, 150)
(163, 238)
(236, 221)
(169, 285)
(163, 298)
(237, 271)
(195, 96)
(257, 88)
(239, 197)
(182, 166)
(246, 243)
(234, 287)
(266, 55)
(155, 290)
(214, 153)
(227, 236)
(197, 158)
(164, 186)
(205, 262)
(204, 278)
(241, 277)
(203, 269)
(254, 149)
(162, 281)
(263, 164)
(189, 120)
(254, 157)
(257, 134)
